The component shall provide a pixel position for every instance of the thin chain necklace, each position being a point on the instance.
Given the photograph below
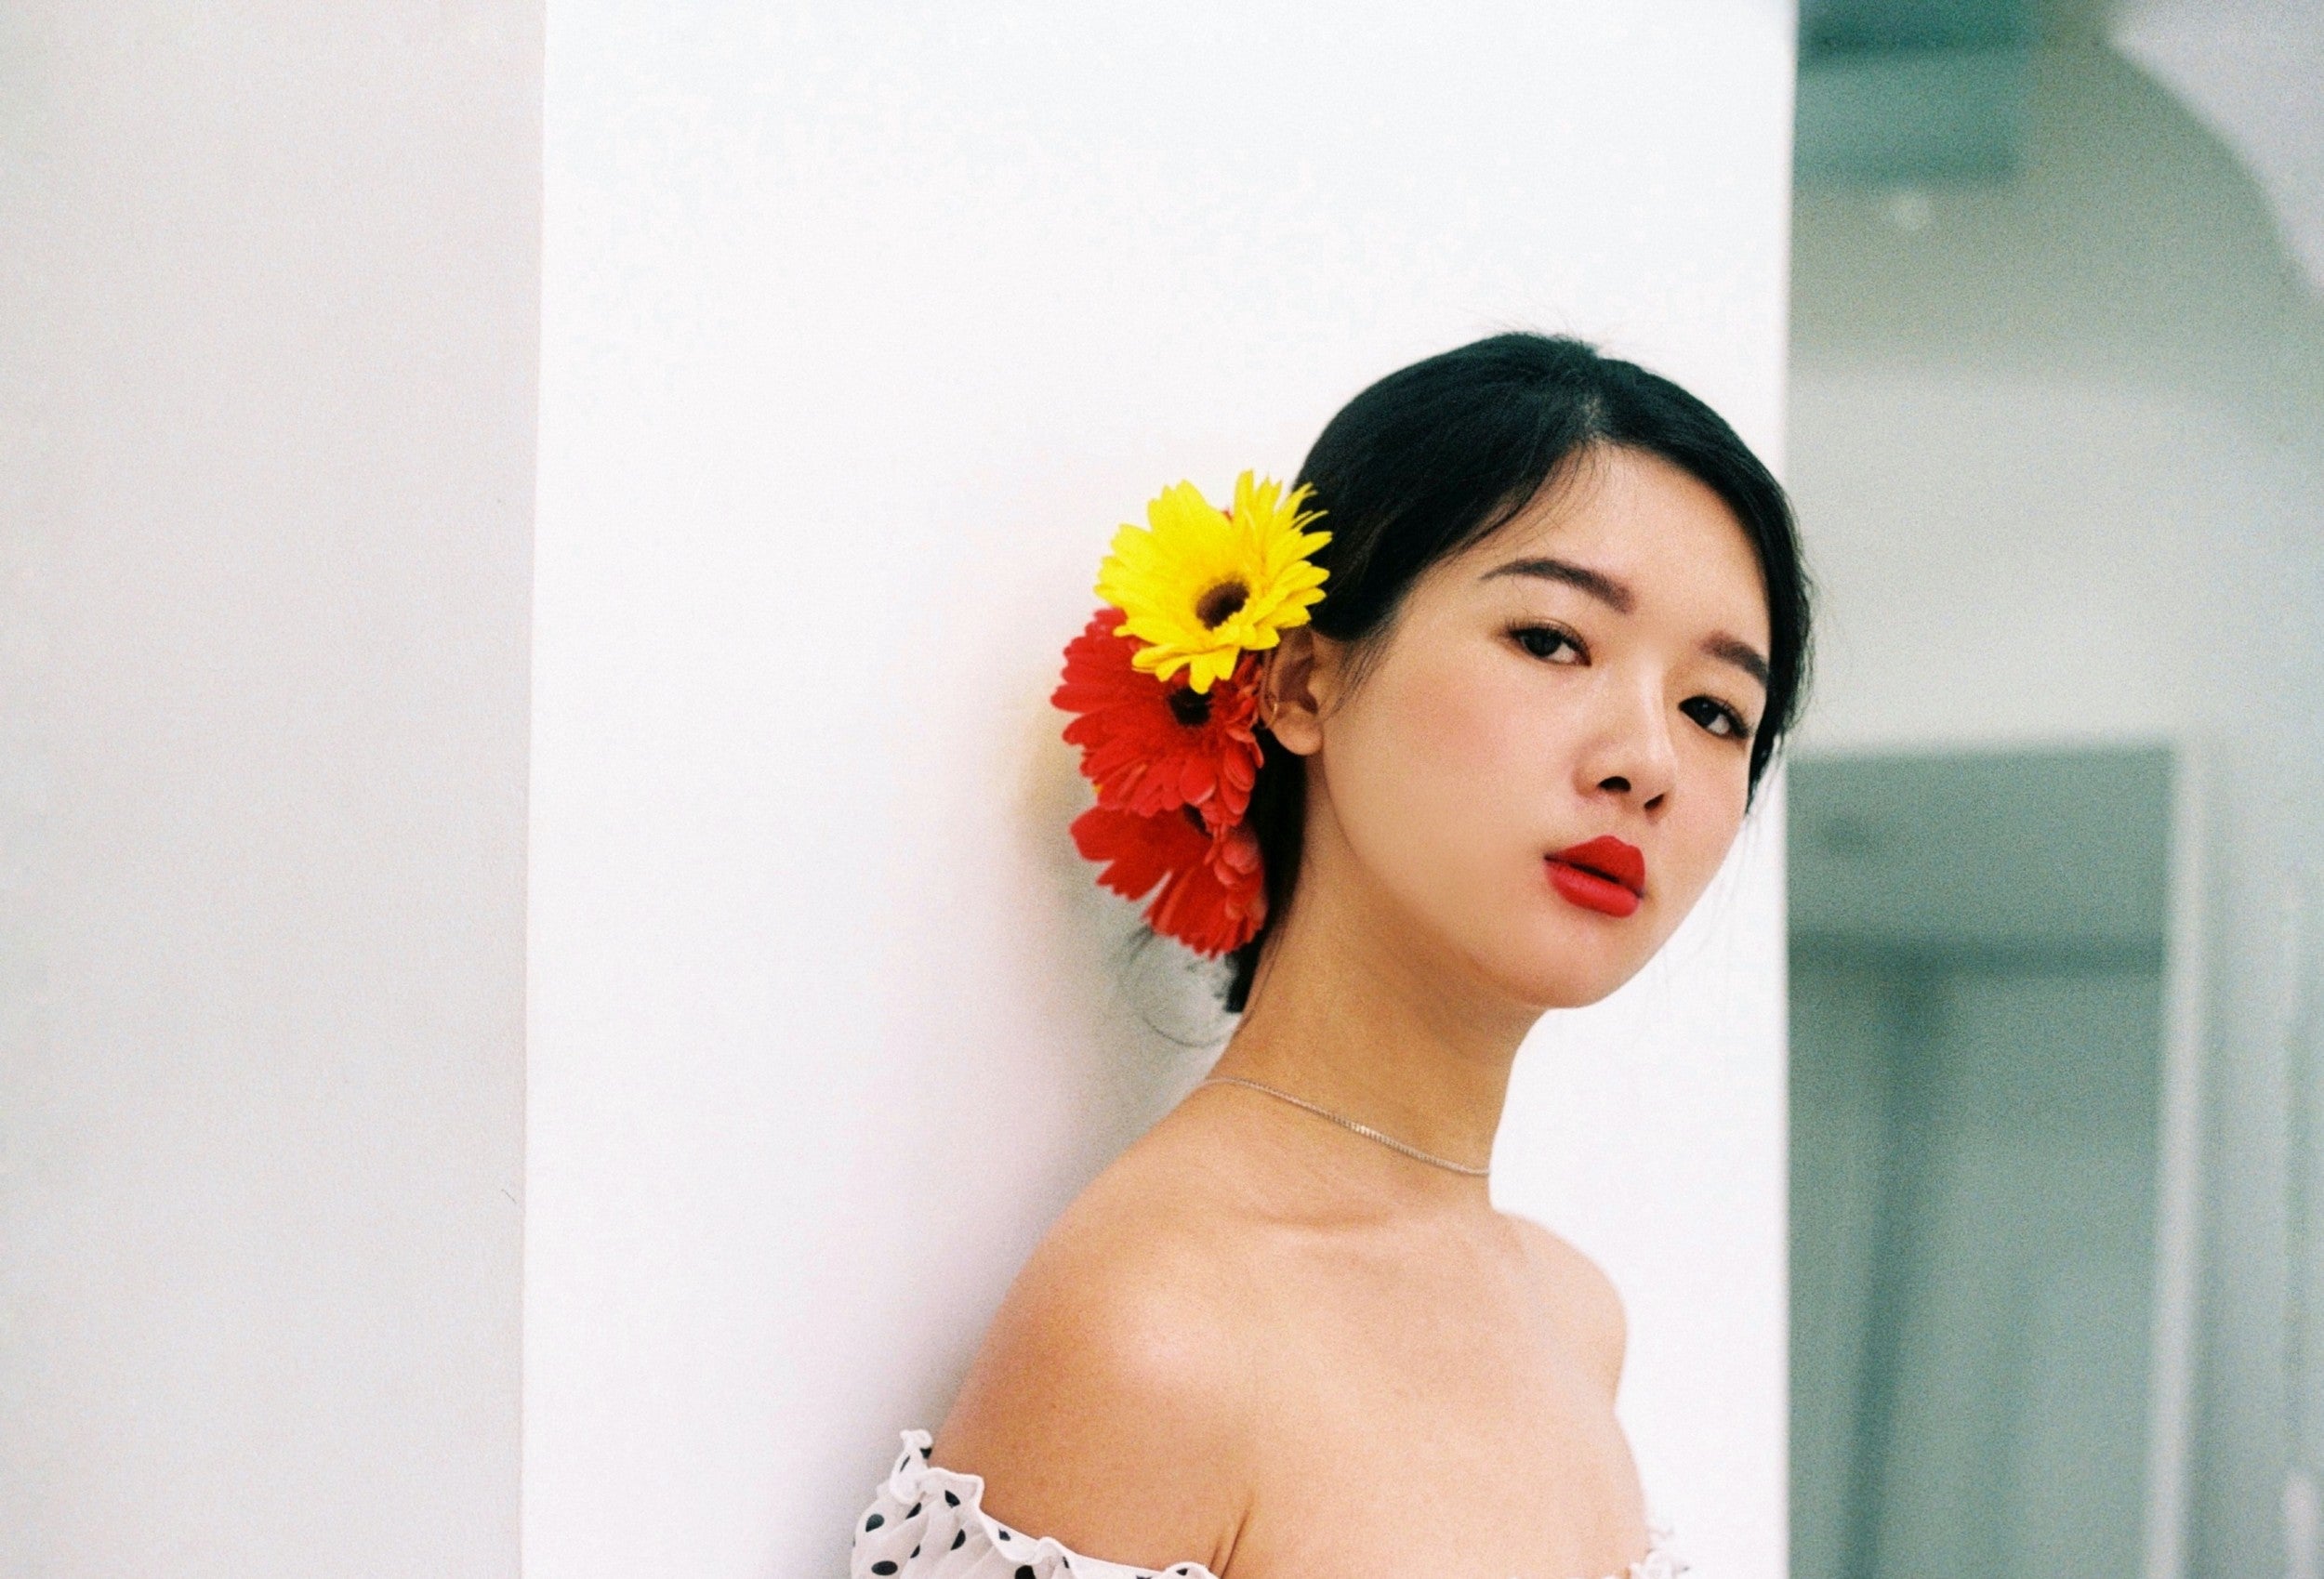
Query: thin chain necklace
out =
(1366, 1130)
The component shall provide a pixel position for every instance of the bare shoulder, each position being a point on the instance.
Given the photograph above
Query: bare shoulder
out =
(1109, 1406)
(1579, 1293)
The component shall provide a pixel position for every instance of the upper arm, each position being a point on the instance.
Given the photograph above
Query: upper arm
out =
(1583, 1297)
(1107, 1407)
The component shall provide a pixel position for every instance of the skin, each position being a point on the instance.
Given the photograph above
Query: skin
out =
(1267, 1344)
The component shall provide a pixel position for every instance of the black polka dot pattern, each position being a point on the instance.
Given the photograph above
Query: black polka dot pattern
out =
(926, 1523)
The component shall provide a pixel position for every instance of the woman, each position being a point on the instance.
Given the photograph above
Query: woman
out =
(1562, 626)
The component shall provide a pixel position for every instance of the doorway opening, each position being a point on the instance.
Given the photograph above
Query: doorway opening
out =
(1981, 1113)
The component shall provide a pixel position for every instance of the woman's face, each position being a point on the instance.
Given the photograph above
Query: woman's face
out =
(1540, 768)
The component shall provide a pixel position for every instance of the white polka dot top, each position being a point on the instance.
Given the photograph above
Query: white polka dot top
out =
(926, 1523)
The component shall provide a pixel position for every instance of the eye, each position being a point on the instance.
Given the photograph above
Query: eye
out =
(1550, 643)
(1716, 717)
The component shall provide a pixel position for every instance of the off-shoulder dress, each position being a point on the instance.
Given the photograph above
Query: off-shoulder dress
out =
(928, 1522)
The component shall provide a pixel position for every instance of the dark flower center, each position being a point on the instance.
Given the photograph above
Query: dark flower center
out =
(1217, 606)
(1190, 707)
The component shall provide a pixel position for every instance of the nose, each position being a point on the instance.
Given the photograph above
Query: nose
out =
(1630, 757)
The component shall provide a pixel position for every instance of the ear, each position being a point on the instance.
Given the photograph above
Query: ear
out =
(1297, 687)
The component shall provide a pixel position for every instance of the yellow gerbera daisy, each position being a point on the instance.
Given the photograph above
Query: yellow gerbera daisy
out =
(1200, 587)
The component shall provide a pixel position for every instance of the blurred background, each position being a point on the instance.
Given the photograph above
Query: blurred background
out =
(2057, 437)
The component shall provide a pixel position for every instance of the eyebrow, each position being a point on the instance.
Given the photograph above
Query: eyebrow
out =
(1617, 596)
(1604, 589)
(1742, 655)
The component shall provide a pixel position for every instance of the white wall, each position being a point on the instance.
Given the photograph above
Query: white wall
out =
(863, 327)
(2059, 452)
(269, 323)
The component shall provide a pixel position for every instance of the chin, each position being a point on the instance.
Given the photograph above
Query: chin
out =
(1570, 963)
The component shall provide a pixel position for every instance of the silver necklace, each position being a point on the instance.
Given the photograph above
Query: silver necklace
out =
(1366, 1130)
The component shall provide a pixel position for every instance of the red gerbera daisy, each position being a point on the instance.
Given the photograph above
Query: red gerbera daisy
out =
(1151, 746)
(1212, 896)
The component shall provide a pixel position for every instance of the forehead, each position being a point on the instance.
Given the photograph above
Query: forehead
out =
(1643, 521)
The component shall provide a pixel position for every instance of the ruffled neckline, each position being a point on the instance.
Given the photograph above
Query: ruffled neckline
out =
(942, 1511)
(921, 1502)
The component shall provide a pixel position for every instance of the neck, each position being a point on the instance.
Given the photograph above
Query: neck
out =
(1356, 1014)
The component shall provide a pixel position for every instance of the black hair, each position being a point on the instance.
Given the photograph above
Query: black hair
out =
(1442, 453)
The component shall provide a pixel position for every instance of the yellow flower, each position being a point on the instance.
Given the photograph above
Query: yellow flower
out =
(1201, 587)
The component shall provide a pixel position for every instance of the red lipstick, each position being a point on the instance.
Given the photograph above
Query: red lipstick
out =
(1604, 875)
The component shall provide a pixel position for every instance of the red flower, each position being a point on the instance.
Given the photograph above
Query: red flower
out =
(1151, 746)
(1212, 896)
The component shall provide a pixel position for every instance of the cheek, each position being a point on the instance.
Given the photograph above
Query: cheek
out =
(1480, 727)
(1454, 763)
(1708, 815)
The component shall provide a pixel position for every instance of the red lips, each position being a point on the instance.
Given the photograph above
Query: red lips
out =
(1604, 875)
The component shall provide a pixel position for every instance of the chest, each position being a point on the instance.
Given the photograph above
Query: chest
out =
(1437, 1418)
